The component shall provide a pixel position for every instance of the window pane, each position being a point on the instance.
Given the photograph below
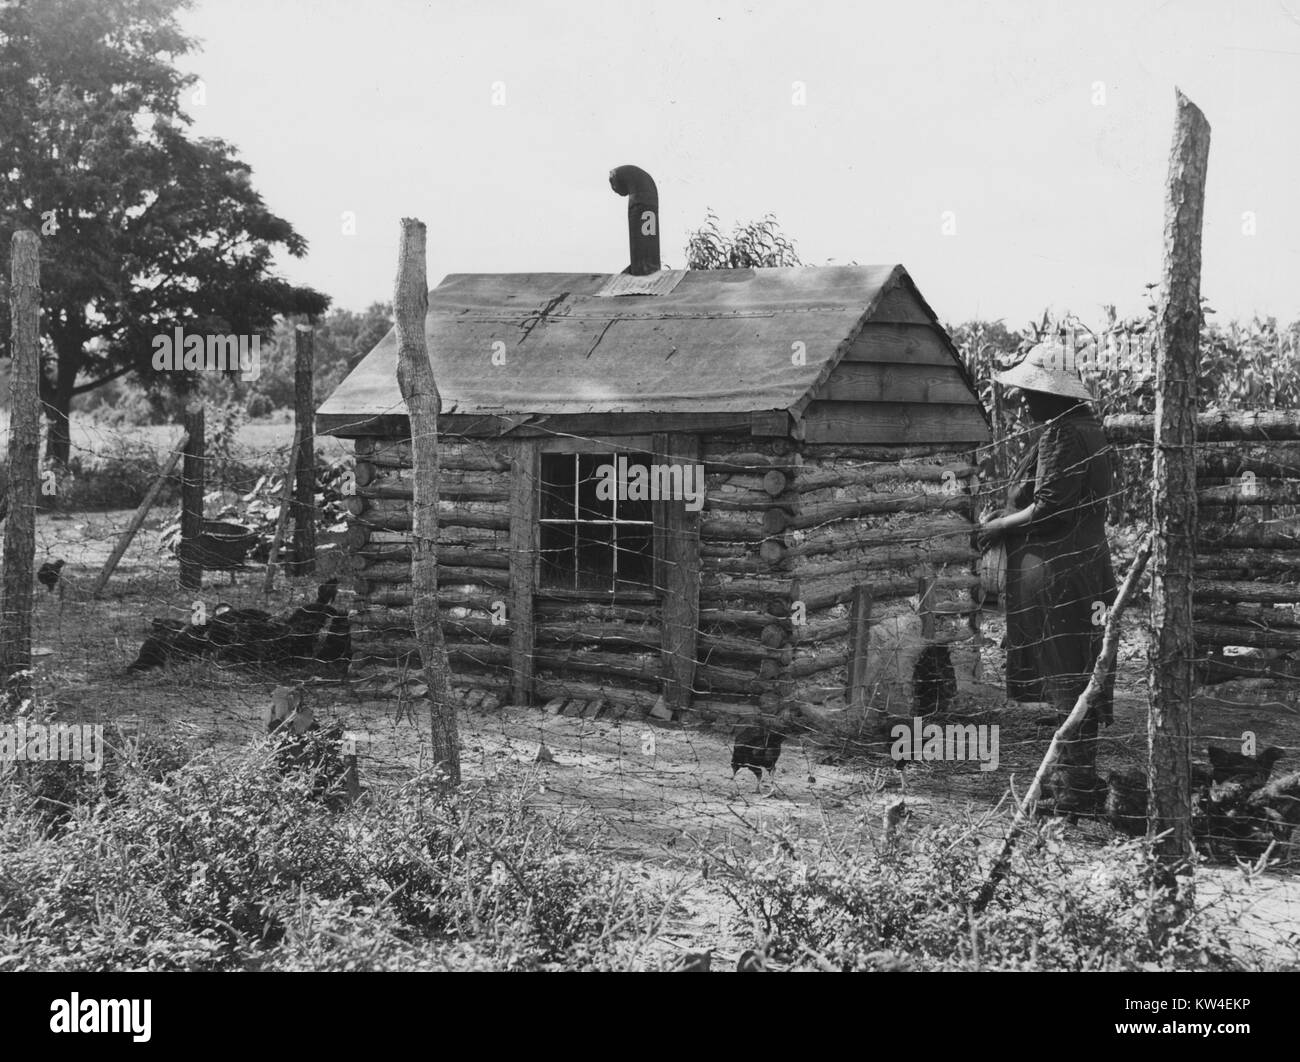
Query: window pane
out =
(557, 486)
(635, 557)
(597, 545)
(557, 544)
(589, 506)
(596, 557)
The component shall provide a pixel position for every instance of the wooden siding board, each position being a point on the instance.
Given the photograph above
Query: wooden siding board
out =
(898, 423)
(857, 382)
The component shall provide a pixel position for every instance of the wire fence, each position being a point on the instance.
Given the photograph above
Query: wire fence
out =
(948, 725)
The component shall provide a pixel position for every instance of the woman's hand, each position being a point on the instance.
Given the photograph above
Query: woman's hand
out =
(990, 533)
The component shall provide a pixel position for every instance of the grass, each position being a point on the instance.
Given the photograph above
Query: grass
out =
(177, 859)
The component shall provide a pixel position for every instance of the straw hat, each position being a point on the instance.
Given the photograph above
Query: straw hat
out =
(1049, 368)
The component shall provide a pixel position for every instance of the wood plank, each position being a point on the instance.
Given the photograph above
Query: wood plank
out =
(899, 304)
(1264, 617)
(770, 422)
(615, 444)
(898, 423)
(575, 709)
(859, 639)
(899, 344)
(524, 546)
(814, 477)
(1224, 634)
(349, 425)
(1223, 426)
(454, 455)
(554, 706)
(857, 382)
(593, 708)
(833, 512)
(636, 701)
(1262, 593)
(1252, 561)
(681, 582)
(1255, 492)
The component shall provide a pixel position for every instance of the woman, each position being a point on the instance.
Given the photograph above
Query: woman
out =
(1059, 576)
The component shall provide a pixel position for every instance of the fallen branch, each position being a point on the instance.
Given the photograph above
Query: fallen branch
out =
(1100, 671)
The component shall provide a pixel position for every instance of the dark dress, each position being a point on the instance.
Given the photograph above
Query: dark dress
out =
(1058, 565)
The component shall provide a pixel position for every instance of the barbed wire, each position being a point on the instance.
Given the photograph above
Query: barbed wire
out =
(589, 744)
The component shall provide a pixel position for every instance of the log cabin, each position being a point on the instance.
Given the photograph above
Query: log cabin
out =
(719, 493)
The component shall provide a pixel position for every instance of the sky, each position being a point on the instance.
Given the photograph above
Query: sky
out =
(1011, 154)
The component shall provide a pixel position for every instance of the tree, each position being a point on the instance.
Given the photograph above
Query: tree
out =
(143, 229)
(342, 339)
(757, 245)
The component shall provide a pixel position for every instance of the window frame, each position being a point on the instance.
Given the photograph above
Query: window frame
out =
(613, 446)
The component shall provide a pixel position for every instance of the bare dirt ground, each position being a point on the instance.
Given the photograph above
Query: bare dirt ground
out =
(656, 797)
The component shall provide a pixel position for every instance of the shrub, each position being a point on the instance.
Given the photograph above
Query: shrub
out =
(220, 863)
(909, 906)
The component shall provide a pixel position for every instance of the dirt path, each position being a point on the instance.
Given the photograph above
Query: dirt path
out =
(658, 809)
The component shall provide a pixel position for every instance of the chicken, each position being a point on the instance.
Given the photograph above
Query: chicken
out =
(1250, 772)
(312, 633)
(48, 575)
(756, 747)
(244, 635)
(317, 628)
(171, 640)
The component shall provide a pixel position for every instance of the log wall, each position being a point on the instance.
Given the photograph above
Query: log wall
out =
(791, 529)
(1248, 537)
(788, 532)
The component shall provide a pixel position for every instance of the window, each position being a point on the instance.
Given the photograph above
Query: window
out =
(591, 541)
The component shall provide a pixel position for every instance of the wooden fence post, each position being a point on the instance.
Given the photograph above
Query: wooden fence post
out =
(192, 498)
(1177, 345)
(24, 462)
(304, 488)
(268, 581)
(859, 642)
(423, 404)
(137, 518)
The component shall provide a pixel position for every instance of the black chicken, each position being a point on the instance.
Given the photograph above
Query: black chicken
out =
(1250, 772)
(313, 633)
(48, 575)
(756, 747)
(244, 635)
(171, 640)
(318, 631)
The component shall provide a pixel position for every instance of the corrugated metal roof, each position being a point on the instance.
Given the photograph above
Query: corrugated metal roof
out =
(720, 341)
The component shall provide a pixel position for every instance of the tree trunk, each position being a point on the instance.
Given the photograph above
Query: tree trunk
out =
(1177, 345)
(423, 404)
(57, 404)
(192, 488)
(24, 463)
